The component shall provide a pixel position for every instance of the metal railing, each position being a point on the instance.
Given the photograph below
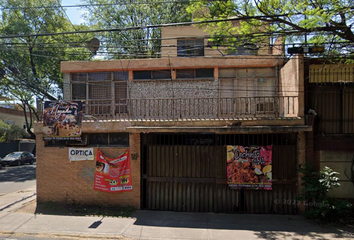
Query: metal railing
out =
(193, 108)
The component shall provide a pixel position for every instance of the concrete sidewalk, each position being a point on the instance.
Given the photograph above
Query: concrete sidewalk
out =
(146, 225)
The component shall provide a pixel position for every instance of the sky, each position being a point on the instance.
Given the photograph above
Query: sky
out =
(74, 13)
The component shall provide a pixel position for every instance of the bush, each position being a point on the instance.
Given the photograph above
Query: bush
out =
(319, 206)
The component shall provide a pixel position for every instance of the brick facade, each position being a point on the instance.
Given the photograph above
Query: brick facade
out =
(60, 180)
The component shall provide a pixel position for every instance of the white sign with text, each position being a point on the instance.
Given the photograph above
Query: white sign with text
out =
(81, 154)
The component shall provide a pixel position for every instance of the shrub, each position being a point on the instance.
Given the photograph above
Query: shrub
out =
(315, 186)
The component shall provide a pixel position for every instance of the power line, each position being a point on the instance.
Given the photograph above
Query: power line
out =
(101, 4)
(140, 27)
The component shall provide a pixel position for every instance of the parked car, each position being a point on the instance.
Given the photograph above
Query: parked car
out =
(18, 158)
(0, 164)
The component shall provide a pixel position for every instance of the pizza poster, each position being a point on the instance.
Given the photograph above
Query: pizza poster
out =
(249, 167)
(62, 120)
(113, 174)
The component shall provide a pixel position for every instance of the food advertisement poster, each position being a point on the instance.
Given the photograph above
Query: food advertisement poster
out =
(249, 167)
(113, 174)
(62, 120)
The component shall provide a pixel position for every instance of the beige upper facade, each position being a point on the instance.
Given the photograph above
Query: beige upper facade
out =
(187, 88)
(12, 116)
(173, 37)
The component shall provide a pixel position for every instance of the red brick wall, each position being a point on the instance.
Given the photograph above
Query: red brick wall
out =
(60, 180)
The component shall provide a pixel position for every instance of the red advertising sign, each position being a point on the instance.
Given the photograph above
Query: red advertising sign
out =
(62, 120)
(113, 174)
(249, 167)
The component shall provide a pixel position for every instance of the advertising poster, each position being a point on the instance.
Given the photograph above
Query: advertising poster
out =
(62, 120)
(113, 174)
(249, 167)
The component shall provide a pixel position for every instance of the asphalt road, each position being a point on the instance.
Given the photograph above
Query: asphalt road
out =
(17, 178)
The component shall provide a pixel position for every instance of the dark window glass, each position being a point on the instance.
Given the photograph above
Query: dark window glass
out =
(79, 91)
(243, 49)
(79, 77)
(99, 76)
(98, 139)
(142, 74)
(121, 139)
(185, 73)
(204, 73)
(121, 75)
(190, 47)
(161, 74)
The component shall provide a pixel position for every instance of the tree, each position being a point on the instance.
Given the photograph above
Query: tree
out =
(30, 65)
(328, 22)
(106, 14)
(10, 132)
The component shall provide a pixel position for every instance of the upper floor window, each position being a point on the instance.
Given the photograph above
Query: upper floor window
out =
(190, 47)
(246, 48)
(101, 87)
(195, 73)
(152, 75)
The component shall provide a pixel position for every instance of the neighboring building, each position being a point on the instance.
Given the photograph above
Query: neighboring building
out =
(176, 114)
(330, 93)
(11, 115)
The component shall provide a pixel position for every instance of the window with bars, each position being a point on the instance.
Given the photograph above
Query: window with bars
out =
(103, 92)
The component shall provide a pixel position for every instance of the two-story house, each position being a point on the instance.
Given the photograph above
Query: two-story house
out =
(177, 114)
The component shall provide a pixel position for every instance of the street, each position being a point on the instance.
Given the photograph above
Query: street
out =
(17, 178)
(17, 184)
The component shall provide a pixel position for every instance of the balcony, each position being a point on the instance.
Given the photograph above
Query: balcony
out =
(192, 109)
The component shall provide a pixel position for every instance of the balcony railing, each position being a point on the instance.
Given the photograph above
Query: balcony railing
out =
(192, 108)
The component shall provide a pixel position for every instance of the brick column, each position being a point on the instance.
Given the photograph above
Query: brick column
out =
(134, 148)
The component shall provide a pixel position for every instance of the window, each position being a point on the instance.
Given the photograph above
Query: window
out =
(161, 74)
(243, 49)
(152, 75)
(95, 139)
(204, 73)
(98, 89)
(138, 75)
(190, 47)
(195, 73)
(121, 139)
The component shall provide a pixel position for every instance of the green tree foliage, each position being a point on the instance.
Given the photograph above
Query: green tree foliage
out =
(108, 14)
(10, 132)
(314, 194)
(30, 63)
(327, 22)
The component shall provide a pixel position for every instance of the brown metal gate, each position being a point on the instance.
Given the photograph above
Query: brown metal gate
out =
(188, 173)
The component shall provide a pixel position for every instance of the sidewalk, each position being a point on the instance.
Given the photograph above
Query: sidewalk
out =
(147, 225)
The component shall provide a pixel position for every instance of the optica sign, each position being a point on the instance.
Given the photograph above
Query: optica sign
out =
(81, 154)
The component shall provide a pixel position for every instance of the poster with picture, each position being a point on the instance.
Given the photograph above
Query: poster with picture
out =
(62, 120)
(249, 167)
(113, 174)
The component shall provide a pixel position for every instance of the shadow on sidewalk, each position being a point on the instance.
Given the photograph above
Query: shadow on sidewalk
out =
(51, 208)
(17, 174)
(266, 226)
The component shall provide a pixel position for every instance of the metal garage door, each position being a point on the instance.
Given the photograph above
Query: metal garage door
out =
(185, 172)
